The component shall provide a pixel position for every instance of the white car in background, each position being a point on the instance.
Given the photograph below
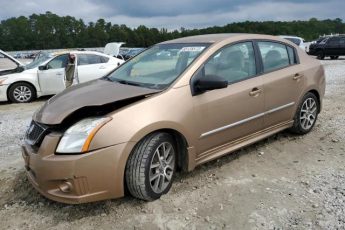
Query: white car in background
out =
(297, 40)
(46, 75)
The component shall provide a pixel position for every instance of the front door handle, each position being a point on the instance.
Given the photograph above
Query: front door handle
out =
(255, 91)
(102, 67)
(59, 74)
(297, 76)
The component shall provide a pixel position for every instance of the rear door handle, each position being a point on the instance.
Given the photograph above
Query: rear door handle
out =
(297, 76)
(102, 67)
(255, 91)
(59, 74)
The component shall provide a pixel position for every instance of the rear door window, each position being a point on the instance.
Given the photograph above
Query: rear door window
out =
(333, 41)
(94, 59)
(91, 59)
(104, 59)
(274, 55)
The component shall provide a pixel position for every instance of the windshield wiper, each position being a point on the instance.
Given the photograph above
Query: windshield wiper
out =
(106, 78)
(124, 82)
(129, 83)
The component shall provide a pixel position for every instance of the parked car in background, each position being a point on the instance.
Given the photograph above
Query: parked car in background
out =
(132, 52)
(332, 47)
(297, 40)
(307, 45)
(46, 74)
(18, 55)
(133, 129)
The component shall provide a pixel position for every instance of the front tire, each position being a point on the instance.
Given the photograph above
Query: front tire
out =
(306, 114)
(320, 55)
(334, 57)
(151, 167)
(21, 93)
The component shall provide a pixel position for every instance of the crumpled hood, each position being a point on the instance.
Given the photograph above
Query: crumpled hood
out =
(90, 94)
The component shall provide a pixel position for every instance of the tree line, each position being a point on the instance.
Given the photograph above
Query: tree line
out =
(50, 31)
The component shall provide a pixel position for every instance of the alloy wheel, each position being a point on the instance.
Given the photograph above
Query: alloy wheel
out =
(22, 93)
(308, 113)
(162, 167)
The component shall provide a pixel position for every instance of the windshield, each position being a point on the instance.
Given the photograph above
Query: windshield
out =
(294, 40)
(42, 58)
(158, 66)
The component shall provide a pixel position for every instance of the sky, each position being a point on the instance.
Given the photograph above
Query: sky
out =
(174, 14)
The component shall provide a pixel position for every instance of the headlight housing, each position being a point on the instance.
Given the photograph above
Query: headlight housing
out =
(78, 137)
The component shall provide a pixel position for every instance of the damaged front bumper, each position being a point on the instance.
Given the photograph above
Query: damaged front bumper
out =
(92, 176)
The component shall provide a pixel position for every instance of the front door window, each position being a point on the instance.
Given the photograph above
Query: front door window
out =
(233, 63)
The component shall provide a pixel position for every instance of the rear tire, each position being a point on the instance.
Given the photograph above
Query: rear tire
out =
(21, 93)
(320, 55)
(334, 57)
(151, 167)
(306, 114)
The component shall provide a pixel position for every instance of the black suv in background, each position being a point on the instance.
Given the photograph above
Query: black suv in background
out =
(332, 47)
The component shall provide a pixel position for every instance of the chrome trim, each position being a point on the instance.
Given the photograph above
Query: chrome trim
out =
(232, 125)
(246, 120)
(279, 108)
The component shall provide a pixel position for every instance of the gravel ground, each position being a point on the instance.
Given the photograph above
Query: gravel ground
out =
(283, 182)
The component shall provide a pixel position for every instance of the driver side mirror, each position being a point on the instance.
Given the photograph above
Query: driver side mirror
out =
(202, 82)
(42, 67)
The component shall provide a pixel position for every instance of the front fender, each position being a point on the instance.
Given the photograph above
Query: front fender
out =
(159, 112)
(23, 77)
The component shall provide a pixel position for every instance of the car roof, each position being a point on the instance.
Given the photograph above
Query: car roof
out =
(290, 36)
(54, 54)
(217, 38)
(206, 38)
(87, 52)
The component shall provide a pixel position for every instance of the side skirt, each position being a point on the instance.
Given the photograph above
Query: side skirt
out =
(240, 143)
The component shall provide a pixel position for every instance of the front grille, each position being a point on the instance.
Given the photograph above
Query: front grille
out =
(35, 134)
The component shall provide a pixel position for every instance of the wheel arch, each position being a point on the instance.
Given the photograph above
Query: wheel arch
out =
(317, 94)
(181, 145)
(16, 82)
(183, 158)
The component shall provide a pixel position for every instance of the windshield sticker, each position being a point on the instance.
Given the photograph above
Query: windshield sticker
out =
(193, 49)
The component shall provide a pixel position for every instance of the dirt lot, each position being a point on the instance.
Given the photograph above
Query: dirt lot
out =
(284, 182)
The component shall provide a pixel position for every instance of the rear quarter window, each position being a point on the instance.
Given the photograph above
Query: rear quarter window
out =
(292, 55)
